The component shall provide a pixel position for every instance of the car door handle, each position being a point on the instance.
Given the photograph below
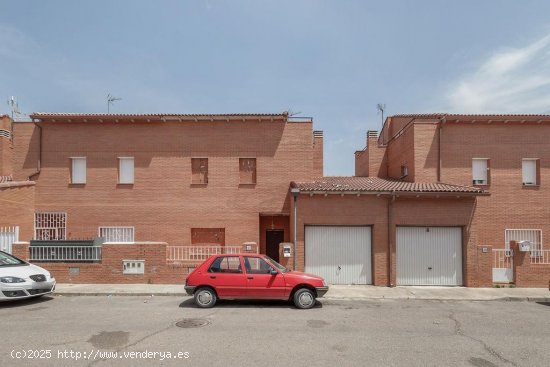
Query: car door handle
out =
(249, 277)
(213, 276)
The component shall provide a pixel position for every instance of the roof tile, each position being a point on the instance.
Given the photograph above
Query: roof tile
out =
(376, 184)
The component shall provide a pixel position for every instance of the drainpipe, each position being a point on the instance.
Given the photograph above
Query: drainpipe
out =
(390, 218)
(39, 150)
(441, 122)
(295, 192)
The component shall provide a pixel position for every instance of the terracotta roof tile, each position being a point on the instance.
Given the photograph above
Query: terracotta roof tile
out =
(375, 184)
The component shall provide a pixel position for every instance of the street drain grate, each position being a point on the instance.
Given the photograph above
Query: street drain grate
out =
(192, 323)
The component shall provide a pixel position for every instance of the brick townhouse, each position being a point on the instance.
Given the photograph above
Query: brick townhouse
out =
(437, 199)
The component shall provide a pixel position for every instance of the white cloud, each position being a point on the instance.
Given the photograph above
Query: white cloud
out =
(512, 80)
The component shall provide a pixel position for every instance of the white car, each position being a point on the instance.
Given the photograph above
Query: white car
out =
(19, 279)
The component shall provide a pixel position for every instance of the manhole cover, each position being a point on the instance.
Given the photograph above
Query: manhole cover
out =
(192, 323)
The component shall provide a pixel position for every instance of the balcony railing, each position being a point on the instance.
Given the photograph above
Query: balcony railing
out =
(65, 253)
(540, 257)
(197, 253)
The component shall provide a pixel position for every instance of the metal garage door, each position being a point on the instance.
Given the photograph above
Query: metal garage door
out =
(429, 256)
(340, 254)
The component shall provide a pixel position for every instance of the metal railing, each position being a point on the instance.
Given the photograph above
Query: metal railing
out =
(65, 253)
(8, 235)
(540, 257)
(198, 253)
(502, 258)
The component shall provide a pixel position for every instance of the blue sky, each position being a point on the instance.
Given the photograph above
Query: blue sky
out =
(332, 60)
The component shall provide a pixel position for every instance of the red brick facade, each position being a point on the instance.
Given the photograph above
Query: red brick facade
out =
(170, 199)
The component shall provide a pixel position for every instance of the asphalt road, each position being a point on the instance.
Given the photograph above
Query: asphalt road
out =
(105, 331)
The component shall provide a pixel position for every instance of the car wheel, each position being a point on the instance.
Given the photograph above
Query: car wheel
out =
(205, 297)
(304, 298)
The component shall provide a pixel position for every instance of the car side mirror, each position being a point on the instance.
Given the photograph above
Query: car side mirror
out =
(273, 272)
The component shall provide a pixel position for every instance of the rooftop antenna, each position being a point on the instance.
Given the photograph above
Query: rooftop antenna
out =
(381, 107)
(292, 113)
(14, 106)
(110, 100)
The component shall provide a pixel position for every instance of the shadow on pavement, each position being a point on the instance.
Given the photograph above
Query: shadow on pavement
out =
(25, 302)
(190, 303)
(544, 303)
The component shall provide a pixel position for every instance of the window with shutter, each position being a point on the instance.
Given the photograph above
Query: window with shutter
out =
(126, 170)
(78, 170)
(529, 172)
(480, 173)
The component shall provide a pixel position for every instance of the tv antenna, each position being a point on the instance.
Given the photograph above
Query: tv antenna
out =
(14, 106)
(381, 107)
(110, 100)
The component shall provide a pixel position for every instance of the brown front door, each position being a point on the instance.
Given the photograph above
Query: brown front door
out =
(273, 238)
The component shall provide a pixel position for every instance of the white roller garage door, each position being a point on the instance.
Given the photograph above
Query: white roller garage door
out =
(429, 256)
(340, 254)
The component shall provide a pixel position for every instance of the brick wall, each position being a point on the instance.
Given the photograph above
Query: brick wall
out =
(162, 204)
(109, 270)
(527, 274)
(401, 152)
(17, 207)
(26, 138)
(511, 205)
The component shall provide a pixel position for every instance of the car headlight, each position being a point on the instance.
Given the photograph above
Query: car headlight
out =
(12, 280)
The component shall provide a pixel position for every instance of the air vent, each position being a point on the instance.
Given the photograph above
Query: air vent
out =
(5, 134)
(133, 266)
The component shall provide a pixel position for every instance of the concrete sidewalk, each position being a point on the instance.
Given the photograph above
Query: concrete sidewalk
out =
(355, 292)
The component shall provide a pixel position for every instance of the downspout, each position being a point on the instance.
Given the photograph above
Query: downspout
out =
(390, 219)
(295, 192)
(439, 166)
(39, 150)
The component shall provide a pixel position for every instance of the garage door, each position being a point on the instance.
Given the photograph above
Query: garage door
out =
(340, 254)
(429, 256)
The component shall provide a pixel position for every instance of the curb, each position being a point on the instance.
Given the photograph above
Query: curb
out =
(170, 294)
(139, 294)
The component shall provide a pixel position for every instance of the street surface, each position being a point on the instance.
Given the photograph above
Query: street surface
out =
(142, 331)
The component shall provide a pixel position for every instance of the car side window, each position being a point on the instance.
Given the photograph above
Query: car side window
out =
(256, 265)
(226, 264)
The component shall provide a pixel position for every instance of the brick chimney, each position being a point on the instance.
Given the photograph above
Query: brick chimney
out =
(317, 153)
(5, 147)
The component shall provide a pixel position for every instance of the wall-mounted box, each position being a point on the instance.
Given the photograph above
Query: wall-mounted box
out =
(133, 266)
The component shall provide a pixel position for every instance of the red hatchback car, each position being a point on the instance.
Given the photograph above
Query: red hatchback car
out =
(251, 276)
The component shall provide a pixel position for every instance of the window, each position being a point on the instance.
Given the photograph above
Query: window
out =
(256, 265)
(117, 234)
(529, 170)
(78, 170)
(126, 170)
(247, 171)
(50, 226)
(226, 264)
(480, 171)
(199, 171)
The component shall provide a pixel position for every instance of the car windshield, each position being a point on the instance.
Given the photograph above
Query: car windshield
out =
(277, 265)
(9, 260)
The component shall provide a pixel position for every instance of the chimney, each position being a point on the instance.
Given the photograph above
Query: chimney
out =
(317, 153)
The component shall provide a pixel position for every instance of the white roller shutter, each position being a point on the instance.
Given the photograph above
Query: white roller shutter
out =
(126, 170)
(340, 254)
(78, 170)
(529, 172)
(429, 256)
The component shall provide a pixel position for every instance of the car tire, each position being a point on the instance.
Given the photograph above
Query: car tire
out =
(304, 298)
(205, 297)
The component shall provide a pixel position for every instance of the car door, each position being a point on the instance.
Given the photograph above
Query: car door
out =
(226, 275)
(260, 282)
